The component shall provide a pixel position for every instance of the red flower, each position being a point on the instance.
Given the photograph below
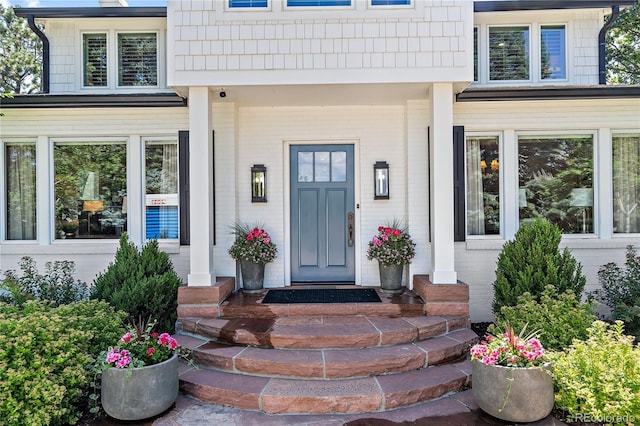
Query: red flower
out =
(396, 232)
(388, 231)
(151, 351)
(154, 335)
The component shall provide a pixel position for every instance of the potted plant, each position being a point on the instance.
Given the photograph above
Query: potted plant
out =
(253, 248)
(140, 374)
(393, 248)
(511, 380)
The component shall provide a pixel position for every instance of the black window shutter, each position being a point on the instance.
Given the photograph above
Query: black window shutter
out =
(183, 182)
(459, 231)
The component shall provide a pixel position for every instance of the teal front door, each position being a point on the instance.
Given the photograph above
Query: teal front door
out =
(322, 214)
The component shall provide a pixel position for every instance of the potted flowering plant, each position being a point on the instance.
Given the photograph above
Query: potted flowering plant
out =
(393, 248)
(140, 374)
(253, 248)
(511, 378)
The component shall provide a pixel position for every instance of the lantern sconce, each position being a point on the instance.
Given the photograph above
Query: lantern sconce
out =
(381, 180)
(258, 183)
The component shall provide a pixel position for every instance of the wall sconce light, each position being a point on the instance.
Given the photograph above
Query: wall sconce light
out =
(381, 180)
(258, 183)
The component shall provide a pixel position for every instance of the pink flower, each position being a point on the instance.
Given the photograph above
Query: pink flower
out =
(154, 335)
(113, 355)
(123, 362)
(396, 232)
(249, 237)
(377, 242)
(267, 240)
(388, 231)
(126, 338)
(151, 351)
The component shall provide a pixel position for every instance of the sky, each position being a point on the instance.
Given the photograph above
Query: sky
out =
(75, 3)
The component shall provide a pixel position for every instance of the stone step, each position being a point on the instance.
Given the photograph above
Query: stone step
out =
(335, 363)
(320, 332)
(355, 395)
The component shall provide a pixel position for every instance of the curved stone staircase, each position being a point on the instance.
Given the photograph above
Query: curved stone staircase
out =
(337, 358)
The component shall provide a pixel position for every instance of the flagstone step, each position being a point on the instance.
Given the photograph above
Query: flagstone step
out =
(290, 396)
(321, 332)
(334, 363)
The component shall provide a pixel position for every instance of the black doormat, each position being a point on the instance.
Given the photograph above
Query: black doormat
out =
(322, 295)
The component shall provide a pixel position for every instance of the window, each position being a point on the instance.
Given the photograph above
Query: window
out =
(483, 185)
(90, 189)
(626, 183)
(94, 48)
(475, 54)
(247, 3)
(322, 166)
(556, 180)
(315, 3)
(161, 190)
(509, 53)
(390, 2)
(20, 159)
(552, 53)
(137, 59)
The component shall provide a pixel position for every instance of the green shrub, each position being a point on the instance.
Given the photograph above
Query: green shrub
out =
(621, 290)
(57, 284)
(43, 358)
(560, 318)
(532, 261)
(599, 378)
(142, 283)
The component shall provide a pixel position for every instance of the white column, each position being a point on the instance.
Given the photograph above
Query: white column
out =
(135, 190)
(603, 184)
(441, 184)
(201, 266)
(44, 208)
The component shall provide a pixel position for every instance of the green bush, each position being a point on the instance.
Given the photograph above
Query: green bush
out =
(43, 358)
(57, 284)
(599, 378)
(532, 261)
(142, 283)
(560, 318)
(621, 290)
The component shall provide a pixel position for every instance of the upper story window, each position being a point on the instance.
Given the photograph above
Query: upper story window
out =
(240, 4)
(475, 54)
(509, 53)
(553, 57)
(318, 3)
(134, 63)
(390, 2)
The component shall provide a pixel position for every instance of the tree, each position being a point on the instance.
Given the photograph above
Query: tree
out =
(20, 55)
(623, 48)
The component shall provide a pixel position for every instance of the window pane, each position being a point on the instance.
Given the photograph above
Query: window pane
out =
(339, 166)
(556, 181)
(626, 183)
(552, 53)
(483, 185)
(247, 3)
(95, 59)
(305, 167)
(137, 60)
(475, 54)
(322, 164)
(390, 2)
(297, 3)
(21, 191)
(161, 199)
(90, 189)
(509, 53)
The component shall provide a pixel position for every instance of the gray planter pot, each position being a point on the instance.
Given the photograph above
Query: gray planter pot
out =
(391, 278)
(252, 276)
(147, 392)
(528, 391)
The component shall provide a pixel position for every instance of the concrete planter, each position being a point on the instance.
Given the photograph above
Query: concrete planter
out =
(391, 278)
(252, 276)
(147, 392)
(528, 391)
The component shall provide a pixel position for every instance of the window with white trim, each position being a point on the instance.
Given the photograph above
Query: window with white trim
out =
(20, 178)
(509, 53)
(626, 183)
(390, 2)
(482, 164)
(161, 189)
(248, 4)
(475, 53)
(318, 3)
(553, 55)
(94, 50)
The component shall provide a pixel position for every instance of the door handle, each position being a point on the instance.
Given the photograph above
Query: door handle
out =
(350, 228)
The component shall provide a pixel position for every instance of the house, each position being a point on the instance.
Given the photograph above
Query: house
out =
(482, 113)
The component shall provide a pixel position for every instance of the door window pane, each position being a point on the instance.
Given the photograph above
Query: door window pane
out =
(305, 167)
(21, 191)
(137, 59)
(338, 166)
(161, 194)
(509, 53)
(90, 190)
(322, 167)
(483, 185)
(94, 48)
(556, 181)
(626, 183)
(552, 53)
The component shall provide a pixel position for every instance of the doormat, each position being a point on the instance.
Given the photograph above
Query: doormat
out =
(328, 295)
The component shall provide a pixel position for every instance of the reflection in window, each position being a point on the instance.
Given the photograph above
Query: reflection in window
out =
(556, 181)
(299, 3)
(21, 191)
(247, 3)
(161, 194)
(552, 52)
(322, 164)
(338, 166)
(475, 54)
(95, 60)
(137, 59)
(509, 53)
(305, 167)
(626, 183)
(483, 185)
(90, 189)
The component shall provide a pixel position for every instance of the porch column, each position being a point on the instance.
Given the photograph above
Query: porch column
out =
(441, 185)
(201, 266)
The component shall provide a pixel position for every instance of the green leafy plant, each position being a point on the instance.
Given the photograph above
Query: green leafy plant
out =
(252, 243)
(392, 245)
(57, 284)
(532, 261)
(141, 283)
(599, 378)
(621, 290)
(559, 317)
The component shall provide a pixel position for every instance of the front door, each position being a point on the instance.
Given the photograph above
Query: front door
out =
(322, 214)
